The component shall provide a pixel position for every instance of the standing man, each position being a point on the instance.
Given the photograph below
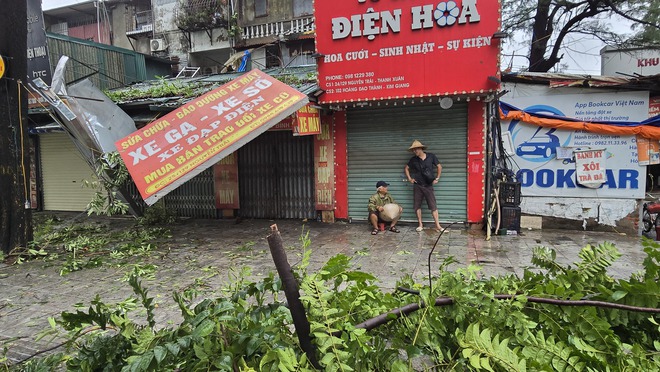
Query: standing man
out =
(423, 171)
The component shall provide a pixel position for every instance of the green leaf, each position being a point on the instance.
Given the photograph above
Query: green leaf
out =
(616, 296)
(485, 364)
(172, 348)
(204, 329)
(252, 346)
(475, 361)
(200, 352)
(143, 363)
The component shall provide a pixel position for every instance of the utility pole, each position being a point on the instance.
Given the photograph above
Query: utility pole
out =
(15, 212)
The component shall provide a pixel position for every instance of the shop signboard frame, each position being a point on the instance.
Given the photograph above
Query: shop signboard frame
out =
(535, 161)
(178, 146)
(391, 49)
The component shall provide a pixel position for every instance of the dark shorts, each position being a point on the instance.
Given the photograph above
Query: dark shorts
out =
(423, 192)
(377, 213)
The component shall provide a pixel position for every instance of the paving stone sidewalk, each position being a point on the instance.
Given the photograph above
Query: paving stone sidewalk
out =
(208, 251)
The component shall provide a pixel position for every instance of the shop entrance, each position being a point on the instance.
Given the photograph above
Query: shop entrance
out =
(276, 176)
(378, 141)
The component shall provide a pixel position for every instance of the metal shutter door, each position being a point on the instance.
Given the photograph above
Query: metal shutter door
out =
(276, 176)
(194, 198)
(378, 139)
(63, 170)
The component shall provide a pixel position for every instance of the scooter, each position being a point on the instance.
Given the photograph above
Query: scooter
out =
(650, 215)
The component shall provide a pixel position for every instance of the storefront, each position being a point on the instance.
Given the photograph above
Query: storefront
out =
(276, 176)
(404, 72)
(63, 172)
(579, 150)
(378, 139)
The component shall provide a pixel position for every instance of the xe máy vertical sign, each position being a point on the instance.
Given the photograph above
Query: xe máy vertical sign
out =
(401, 49)
(307, 121)
(178, 146)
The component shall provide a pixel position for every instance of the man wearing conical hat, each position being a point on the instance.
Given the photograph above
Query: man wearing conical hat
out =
(423, 171)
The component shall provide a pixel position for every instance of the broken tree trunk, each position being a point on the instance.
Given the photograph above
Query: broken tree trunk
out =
(292, 292)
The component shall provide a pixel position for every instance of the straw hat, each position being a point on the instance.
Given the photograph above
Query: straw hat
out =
(416, 144)
(391, 211)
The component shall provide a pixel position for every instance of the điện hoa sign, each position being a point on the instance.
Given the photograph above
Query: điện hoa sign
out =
(389, 49)
(176, 147)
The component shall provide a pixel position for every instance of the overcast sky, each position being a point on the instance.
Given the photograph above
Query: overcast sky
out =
(54, 4)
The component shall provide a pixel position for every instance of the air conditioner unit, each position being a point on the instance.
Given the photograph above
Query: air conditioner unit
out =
(212, 70)
(157, 45)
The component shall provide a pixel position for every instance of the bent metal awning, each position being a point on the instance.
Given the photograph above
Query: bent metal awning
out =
(649, 128)
(176, 147)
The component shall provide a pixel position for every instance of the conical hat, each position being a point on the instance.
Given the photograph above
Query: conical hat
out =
(416, 144)
(391, 211)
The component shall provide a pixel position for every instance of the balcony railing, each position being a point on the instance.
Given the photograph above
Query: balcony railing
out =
(140, 22)
(197, 15)
(279, 29)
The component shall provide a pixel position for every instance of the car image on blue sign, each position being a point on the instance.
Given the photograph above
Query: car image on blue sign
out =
(544, 146)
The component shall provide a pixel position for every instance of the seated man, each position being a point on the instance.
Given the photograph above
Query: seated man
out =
(376, 203)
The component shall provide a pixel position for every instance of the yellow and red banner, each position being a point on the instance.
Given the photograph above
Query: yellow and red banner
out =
(324, 161)
(654, 106)
(307, 122)
(178, 146)
(226, 182)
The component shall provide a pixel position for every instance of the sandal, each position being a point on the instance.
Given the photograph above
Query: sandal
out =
(374, 232)
(394, 229)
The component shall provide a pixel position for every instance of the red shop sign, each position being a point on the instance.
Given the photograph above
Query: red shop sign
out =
(401, 49)
(307, 122)
(178, 146)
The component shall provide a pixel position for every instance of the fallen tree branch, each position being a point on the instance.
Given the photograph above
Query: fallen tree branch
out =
(292, 293)
(444, 301)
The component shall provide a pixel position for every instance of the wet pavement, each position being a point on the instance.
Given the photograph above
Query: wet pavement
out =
(205, 253)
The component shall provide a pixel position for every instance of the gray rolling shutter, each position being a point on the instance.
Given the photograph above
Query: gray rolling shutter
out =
(63, 170)
(194, 198)
(378, 139)
(276, 176)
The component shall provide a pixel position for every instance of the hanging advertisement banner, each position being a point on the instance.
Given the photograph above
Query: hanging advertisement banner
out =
(590, 168)
(648, 151)
(178, 146)
(34, 193)
(538, 168)
(38, 64)
(324, 160)
(307, 121)
(285, 124)
(226, 182)
(654, 106)
(371, 50)
(643, 153)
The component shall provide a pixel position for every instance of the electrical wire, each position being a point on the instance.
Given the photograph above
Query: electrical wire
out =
(20, 125)
(435, 244)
